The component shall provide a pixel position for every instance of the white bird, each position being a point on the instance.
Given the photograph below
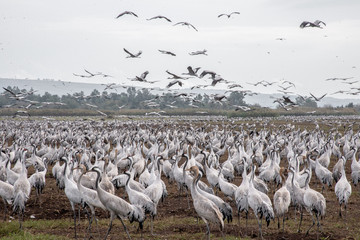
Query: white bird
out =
(37, 180)
(141, 199)
(343, 189)
(22, 190)
(228, 189)
(71, 190)
(159, 17)
(205, 208)
(7, 194)
(314, 202)
(260, 203)
(228, 15)
(118, 207)
(186, 24)
(132, 55)
(282, 199)
(89, 196)
(126, 13)
(323, 174)
(241, 195)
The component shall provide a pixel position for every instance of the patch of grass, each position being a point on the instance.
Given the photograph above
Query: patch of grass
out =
(21, 235)
(12, 228)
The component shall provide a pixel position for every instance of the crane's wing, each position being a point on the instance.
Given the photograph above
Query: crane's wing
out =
(193, 27)
(129, 52)
(9, 91)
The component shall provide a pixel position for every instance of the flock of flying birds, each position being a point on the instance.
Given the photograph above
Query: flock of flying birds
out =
(178, 79)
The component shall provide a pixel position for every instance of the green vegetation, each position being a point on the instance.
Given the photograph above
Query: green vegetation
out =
(135, 102)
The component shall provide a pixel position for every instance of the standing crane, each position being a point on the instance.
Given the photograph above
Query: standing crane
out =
(241, 194)
(260, 203)
(89, 197)
(117, 206)
(22, 190)
(314, 202)
(204, 207)
(282, 199)
(141, 199)
(7, 194)
(343, 189)
(71, 190)
(157, 190)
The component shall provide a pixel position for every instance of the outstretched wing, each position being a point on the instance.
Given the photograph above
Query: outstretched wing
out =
(132, 55)
(317, 22)
(9, 91)
(193, 27)
(172, 74)
(305, 24)
(143, 76)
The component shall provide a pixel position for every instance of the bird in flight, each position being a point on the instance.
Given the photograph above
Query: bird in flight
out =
(186, 24)
(174, 76)
(201, 52)
(340, 79)
(192, 71)
(219, 97)
(318, 98)
(131, 55)
(142, 77)
(317, 23)
(86, 76)
(126, 13)
(206, 72)
(234, 86)
(161, 17)
(228, 15)
(243, 108)
(173, 83)
(167, 52)
(18, 96)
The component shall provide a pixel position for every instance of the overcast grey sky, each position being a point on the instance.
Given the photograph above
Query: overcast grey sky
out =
(54, 39)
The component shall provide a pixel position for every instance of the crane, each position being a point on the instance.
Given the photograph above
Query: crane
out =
(205, 208)
(22, 190)
(117, 206)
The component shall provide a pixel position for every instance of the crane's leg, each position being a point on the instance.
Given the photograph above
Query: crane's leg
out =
(345, 212)
(187, 197)
(312, 216)
(112, 215)
(74, 213)
(90, 218)
(318, 227)
(301, 217)
(21, 216)
(340, 211)
(125, 228)
(152, 224)
(284, 222)
(247, 217)
(260, 230)
(207, 229)
(278, 222)
(5, 209)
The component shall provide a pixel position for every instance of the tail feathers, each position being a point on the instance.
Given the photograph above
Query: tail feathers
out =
(19, 202)
(322, 207)
(267, 211)
(226, 211)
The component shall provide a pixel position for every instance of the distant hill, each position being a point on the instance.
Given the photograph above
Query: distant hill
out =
(63, 88)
